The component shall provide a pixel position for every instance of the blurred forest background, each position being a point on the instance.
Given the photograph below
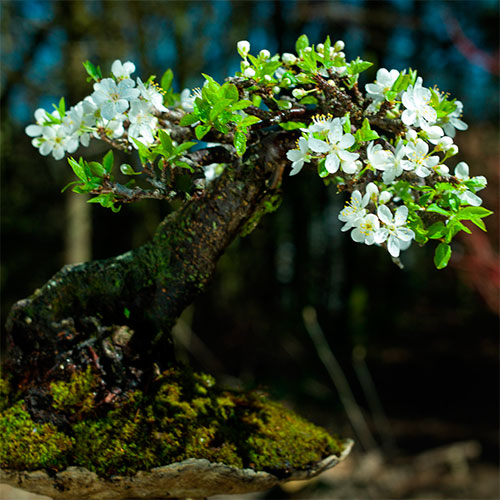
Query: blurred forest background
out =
(419, 347)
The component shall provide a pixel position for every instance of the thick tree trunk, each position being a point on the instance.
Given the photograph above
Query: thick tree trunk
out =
(145, 289)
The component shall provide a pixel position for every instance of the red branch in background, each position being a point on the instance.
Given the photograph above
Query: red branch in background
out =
(467, 48)
(480, 265)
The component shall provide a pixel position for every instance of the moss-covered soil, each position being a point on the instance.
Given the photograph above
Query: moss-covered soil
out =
(184, 415)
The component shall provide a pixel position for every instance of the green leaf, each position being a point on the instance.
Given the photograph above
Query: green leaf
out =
(479, 223)
(96, 169)
(78, 169)
(183, 164)
(93, 71)
(201, 131)
(322, 171)
(326, 50)
(401, 83)
(212, 84)
(442, 255)
(309, 99)
(240, 143)
(166, 142)
(256, 100)
(358, 66)
(470, 213)
(166, 80)
(189, 119)
(68, 185)
(62, 108)
(301, 43)
(183, 147)
(292, 125)
(219, 107)
(347, 123)
(433, 207)
(365, 133)
(145, 154)
(244, 103)
(105, 200)
(107, 161)
(437, 230)
(249, 120)
(230, 91)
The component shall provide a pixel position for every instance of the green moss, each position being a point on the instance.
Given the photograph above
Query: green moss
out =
(4, 393)
(76, 396)
(184, 416)
(27, 445)
(273, 445)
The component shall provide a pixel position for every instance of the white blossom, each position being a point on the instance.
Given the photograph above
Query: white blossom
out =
(298, 156)
(335, 147)
(54, 140)
(371, 194)
(366, 230)
(151, 94)
(377, 157)
(394, 229)
(142, 122)
(393, 166)
(113, 98)
(40, 118)
(113, 129)
(74, 123)
(418, 160)
(465, 194)
(453, 121)
(418, 110)
(383, 83)
(353, 211)
(122, 70)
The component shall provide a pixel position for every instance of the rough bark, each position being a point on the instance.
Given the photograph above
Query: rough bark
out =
(147, 288)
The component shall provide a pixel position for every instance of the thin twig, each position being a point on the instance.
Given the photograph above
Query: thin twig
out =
(338, 378)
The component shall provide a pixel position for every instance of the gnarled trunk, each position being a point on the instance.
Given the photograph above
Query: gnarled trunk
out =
(146, 289)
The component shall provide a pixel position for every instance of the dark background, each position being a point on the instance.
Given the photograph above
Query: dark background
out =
(428, 339)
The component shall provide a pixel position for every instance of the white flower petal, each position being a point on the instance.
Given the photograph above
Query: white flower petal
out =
(384, 214)
(318, 146)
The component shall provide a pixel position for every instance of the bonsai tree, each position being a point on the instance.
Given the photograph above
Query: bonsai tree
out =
(93, 380)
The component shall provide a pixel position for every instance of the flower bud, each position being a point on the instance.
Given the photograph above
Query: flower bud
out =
(264, 54)
(453, 150)
(288, 58)
(243, 48)
(267, 78)
(299, 93)
(287, 82)
(308, 49)
(276, 90)
(249, 73)
(384, 197)
(339, 45)
(320, 48)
